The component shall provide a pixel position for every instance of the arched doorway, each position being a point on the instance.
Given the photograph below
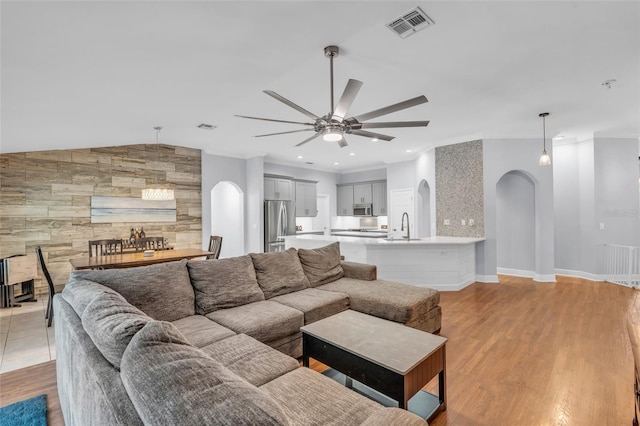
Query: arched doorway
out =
(516, 249)
(227, 217)
(424, 209)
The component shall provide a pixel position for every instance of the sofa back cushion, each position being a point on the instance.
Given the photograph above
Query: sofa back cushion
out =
(162, 291)
(321, 265)
(172, 383)
(223, 283)
(80, 292)
(111, 322)
(279, 272)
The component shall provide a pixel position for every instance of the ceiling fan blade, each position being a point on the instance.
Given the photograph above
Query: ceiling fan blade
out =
(274, 120)
(291, 104)
(349, 94)
(283, 133)
(391, 108)
(309, 139)
(371, 135)
(390, 124)
(342, 142)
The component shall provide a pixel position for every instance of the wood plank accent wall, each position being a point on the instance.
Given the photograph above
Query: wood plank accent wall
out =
(45, 199)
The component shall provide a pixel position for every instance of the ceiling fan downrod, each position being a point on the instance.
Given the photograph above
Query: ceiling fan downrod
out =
(331, 52)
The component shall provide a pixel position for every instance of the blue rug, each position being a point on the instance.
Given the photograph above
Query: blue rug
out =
(30, 412)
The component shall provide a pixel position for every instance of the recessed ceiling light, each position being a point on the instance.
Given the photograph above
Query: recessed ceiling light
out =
(375, 140)
(336, 163)
(408, 150)
(299, 157)
(352, 154)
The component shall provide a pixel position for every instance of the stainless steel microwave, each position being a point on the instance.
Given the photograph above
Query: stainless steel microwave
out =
(362, 210)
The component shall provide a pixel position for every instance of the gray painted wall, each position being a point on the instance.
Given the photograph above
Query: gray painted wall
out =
(364, 176)
(254, 233)
(501, 156)
(597, 182)
(217, 169)
(515, 231)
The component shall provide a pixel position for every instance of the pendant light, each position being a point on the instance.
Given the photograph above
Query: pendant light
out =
(545, 160)
(156, 193)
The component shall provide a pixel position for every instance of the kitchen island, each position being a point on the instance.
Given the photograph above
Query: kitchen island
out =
(442, 263)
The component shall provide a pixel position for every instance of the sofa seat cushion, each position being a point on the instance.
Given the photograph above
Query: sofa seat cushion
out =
(315, 304)
(398, 302)
(173, 383)
(223, 283)
(321, 265)
(201, 331)
(394, 416)
(162, 291)
(266, 321)
(279, 272)
(308, 397)
(111, 323)
(254, 361)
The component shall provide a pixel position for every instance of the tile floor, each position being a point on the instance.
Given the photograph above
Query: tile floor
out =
(25, 338)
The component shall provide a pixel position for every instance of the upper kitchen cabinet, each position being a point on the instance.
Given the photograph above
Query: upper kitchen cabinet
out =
(379, 198)
(276, 188)
(345, 200)
(362, 193)
(306, 199)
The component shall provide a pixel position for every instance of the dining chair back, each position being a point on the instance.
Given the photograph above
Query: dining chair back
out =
(150, 243)
(52, 290)
(215, 244)
(104, 247)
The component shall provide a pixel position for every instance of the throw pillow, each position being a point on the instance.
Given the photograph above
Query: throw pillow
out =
(224, 283)
(111, 322)
(321, 265)
(172, 383)
(162, 291)
(279, 272)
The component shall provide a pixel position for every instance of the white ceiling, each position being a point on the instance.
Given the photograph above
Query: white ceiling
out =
(91, 74)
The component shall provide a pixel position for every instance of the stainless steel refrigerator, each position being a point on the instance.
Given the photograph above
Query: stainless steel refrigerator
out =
(279, 220)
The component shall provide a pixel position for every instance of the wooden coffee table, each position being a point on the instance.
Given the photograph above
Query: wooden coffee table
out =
(387, 357)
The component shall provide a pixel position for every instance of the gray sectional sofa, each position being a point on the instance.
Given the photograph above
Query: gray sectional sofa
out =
(205, 342)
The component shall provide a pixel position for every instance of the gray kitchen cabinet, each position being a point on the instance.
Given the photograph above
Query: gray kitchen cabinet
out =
(362, 193)
(345, 200)
(277, 189)
(306, 199)
(379, 198)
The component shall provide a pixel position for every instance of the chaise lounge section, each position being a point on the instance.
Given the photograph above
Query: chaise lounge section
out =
(216, 341)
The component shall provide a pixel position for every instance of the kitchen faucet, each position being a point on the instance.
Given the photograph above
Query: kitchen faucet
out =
(408, 237)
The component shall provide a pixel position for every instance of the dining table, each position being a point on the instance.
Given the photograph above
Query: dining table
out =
(130, 260)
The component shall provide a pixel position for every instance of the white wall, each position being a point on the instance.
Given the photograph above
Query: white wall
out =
(364, 176)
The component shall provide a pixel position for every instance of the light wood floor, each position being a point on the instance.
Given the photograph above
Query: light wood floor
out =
(519, 353)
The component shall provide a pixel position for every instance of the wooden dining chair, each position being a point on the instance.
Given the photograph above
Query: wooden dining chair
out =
(52, 290)
(104, 247)
(215, 244)
(150, 243)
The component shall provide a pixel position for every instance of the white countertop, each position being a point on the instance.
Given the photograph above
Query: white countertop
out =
(384, 241)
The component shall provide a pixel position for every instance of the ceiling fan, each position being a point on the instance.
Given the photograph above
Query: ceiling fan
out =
(334, 125)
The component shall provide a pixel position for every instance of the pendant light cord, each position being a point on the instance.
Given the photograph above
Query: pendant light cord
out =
(155, 172)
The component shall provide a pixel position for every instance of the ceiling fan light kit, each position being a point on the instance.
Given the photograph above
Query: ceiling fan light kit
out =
(333, 126)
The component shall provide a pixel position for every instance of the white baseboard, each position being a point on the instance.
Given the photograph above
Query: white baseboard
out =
(579, 274)
(489, 279)
(544, 278)
(516, 272)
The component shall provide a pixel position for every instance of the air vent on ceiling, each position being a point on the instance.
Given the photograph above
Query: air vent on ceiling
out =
(410, 23)
(206, 126)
